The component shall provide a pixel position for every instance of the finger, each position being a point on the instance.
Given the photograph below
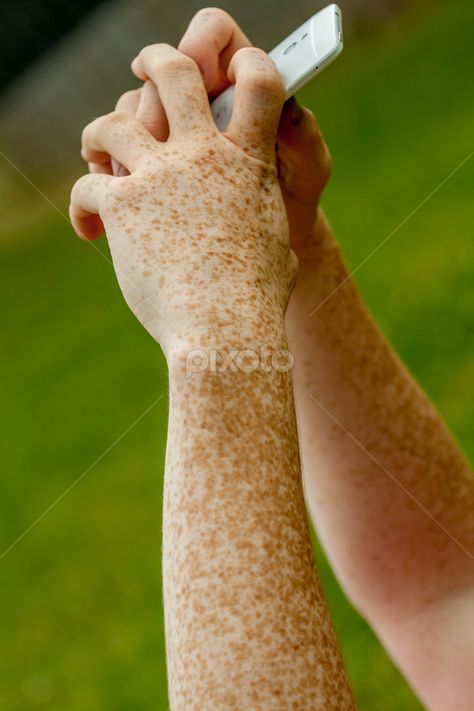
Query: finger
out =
(258, 100)
(128, 103)
(212, 38)
(120, 136)
(150, 112)
(298, 126)
(300, 136)
(180, 87)
(86, 198)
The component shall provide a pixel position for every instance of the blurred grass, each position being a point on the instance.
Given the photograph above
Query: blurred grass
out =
(80, 594)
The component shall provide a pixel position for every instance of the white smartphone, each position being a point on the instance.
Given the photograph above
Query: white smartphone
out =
(302, 55)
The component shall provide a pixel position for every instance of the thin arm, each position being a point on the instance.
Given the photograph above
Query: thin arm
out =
(246, 623)
(389, 490)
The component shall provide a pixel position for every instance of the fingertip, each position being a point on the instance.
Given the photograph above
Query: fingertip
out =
(76, 226)
(92, 227)
(137, 69)
(86, 228)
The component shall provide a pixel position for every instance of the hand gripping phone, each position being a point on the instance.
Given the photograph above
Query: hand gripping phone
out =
(302, 55)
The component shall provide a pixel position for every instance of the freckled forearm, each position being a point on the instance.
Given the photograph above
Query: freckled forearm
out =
(246, 621)
(372, 443)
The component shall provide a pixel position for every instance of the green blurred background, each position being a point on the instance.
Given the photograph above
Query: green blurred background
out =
(82, 465)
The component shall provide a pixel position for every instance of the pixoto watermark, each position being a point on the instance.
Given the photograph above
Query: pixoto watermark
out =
(247, 360)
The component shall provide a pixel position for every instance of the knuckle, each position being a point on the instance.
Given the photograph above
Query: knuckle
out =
(164, 58)
(266, 82)
(89, 129)
(150, 51)
(178, 63)
(93, 133)
(84, 186)
(260, 71)
(117, 116)
(254, 52)
(105, 122)
(127, 98)
(108, 123)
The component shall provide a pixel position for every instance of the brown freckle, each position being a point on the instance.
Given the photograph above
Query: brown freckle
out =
(147, 273)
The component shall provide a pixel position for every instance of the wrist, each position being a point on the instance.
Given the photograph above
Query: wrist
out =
(321, 275)
(313, 246)
(231, 348)
(242, 320)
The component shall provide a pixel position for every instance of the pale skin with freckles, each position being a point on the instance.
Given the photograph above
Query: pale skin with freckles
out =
(387, 487)
(246, 623)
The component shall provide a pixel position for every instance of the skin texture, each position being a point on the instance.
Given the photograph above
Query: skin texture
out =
(199, 238)
(387, 487)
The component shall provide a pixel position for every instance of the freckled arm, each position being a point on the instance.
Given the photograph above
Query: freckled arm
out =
(390, 493)
(246, 624)
(199, 239)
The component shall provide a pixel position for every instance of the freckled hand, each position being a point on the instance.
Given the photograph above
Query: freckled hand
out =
(199, 237)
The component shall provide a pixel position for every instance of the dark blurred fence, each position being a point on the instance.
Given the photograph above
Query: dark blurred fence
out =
(83, 71)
